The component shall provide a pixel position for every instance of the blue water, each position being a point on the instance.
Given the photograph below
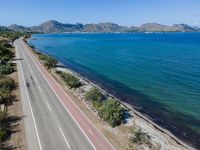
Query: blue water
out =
(158, 73)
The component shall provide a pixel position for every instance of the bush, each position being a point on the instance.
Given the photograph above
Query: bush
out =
(5, 58)
(94, 94)
(50, 62)
(3, 130)
(70, 80)
(59, 72)
(42, 57)
(3, 134)
(3, 114)
(138, 137)
(112, 112)
(7, 83)
(6, 69)
(4, 51)
(5, 97)
(5, 44)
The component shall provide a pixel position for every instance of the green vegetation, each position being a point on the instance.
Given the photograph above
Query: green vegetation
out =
(3, 127)
(5, 56)
(5, 97)
(42, 57)
(94, 94)
(7, 84)
(5, 51)
(49, 61)
(112, 112)
(96, 97)
(139, 138)
(7, 69)
(109, 110)
(71, 80)
(12, 35)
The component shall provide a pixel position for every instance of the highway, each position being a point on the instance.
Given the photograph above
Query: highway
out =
(52, 120)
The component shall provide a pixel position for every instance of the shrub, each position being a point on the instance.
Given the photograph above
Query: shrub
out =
(4, 51)
(3, 114)
(70, 80)
(5, 97)
(94, 94)
(97, 105)
(36, 52)
(112, 112)
(59, 72)
(42, 57)
(3, 134)
(50, 62)
(5, 58)
(7, 83)
(138, 137)
(3, 129)
(6, 69)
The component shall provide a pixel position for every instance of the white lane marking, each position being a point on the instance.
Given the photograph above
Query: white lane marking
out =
(26, 91)
(39, 88)
(68, 145)
(29, 53)
(90, 132)
(49, 106)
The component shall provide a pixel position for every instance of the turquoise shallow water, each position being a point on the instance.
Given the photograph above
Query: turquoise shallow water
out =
(158, 73)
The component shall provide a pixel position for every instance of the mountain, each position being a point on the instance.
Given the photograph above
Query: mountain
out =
(56, 27)
(104, 27)
(53, 26)
(19, 28)
(154, 27)
(4, 29)
(184, 27)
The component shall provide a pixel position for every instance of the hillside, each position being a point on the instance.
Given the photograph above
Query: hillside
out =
(53, 26)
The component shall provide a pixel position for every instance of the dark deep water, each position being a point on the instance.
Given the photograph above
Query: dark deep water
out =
(158, 73)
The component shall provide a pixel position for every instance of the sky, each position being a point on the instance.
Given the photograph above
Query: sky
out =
(122, 12)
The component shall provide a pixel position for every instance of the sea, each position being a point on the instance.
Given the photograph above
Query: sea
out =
(156, 73)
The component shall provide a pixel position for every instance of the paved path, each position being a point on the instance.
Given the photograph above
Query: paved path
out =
(52, 120)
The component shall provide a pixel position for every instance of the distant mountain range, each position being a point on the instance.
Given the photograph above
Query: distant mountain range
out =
(53, 26)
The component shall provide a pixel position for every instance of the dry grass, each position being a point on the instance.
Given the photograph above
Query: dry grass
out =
(17, 136)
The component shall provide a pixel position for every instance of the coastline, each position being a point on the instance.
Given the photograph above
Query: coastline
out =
(127, 106)
(164, 134)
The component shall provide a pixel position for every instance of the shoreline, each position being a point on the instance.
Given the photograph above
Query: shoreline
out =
(127, 106)
(166, 133)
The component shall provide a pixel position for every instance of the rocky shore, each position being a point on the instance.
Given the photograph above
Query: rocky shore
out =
(119, 136)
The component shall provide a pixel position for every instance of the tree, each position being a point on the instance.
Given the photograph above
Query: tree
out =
(112, 112)
(94, 94)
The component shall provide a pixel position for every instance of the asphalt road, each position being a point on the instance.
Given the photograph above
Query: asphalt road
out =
(52, 119)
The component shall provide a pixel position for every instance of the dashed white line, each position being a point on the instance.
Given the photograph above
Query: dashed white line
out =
(49, 106)
(68, 145)
(39, 88)
(29, 53)
(26, 91)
